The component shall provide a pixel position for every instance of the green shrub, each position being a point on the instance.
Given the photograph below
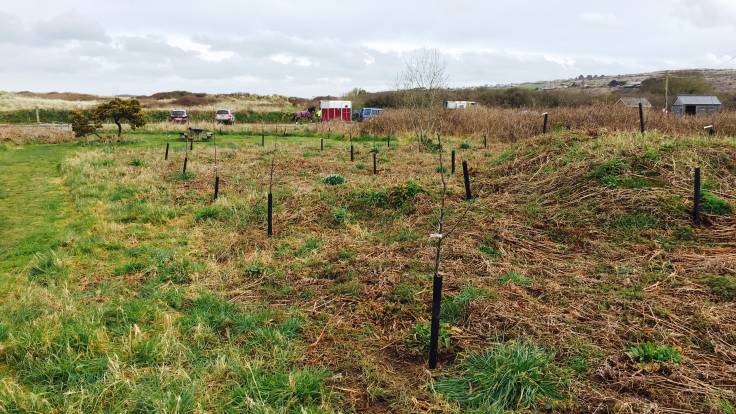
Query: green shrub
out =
(723, 286)
(464, 145)
(3, 332)
(333, 179)
(512, 376)
(712, 204)
(647, 352)
(130, 268)
(135, 162)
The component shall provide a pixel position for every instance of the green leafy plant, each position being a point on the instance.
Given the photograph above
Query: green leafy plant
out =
(464, 145)
(516, 375)
(647, 352)
(333, 179)
(136, 162)
(418, 338)
(489, 250)
(340, 215)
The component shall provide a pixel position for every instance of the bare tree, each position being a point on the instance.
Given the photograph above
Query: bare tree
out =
(422, 84)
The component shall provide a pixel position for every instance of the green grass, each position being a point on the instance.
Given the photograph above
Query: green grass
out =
(455, 308)
(515, 375)
(715, 205)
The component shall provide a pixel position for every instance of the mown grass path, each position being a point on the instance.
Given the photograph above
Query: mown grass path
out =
(34, 206)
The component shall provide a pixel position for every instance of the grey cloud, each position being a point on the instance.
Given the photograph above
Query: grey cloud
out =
(71, 25)
(281, 47)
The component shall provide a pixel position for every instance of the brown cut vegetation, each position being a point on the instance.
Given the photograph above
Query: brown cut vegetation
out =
(509, 125)
(21, 134)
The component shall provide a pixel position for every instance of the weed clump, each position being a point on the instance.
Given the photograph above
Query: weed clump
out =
(647, 352)
(715, 205)
(340, 215)
(512, 376)
(334, 179)
(417, 339)
(455, 309)
(515, 278)
(46, 268)
(209, 213)
(394, 198)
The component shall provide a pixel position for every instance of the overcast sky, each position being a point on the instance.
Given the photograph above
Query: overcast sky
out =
(308, 48)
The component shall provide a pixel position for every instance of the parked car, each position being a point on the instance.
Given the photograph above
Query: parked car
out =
(179, 115)
(225, 116)
(368, 113)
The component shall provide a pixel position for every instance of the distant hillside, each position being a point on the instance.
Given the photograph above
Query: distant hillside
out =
(582, 90)
(10, 101)
(721, 80)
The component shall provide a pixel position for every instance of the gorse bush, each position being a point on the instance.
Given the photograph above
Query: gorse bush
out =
(515, 375)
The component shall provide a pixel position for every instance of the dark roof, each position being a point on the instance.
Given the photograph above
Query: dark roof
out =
(634, 102)
(697, 100)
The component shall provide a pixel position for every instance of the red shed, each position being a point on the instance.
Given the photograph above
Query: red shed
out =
(336, 110)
